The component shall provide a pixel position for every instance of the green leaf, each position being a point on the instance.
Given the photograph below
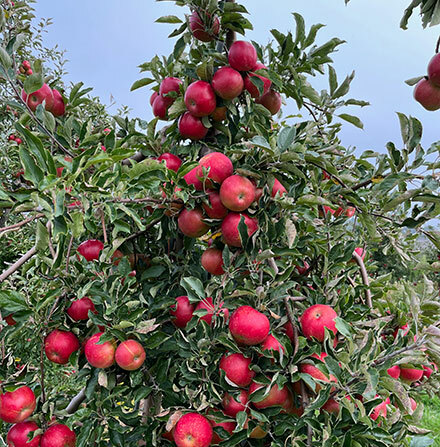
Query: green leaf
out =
(12, 301)
(141, 83)
(286, 137)
(33, 83)
(344, 87)
(42, 237)
(168, 19)
(31, 171)
(156, 340)
(352, 119)
(194, 287)
(5, 59)
(300, 29)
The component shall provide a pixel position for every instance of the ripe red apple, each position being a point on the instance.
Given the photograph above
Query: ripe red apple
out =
(228, 426)
(427, 94)
(18, 435)
(394, 371)
(191, 223)
(200, 99)
(231, 406)
(427, 371)
(60, 345)
(191, 127)
(172, 161)
(227, 83)
(215, 209)
(58, 108)
(219, 114)
(230, 232)
(58, 435)
(242, 56)
(130, 355)
(380, 410)
(192, 178)
(18, 405)
(304, 269)
(204, 30)
(361, 252)
(307, 368)
(331, 406)
(413, 404)
(212, 261)
(237, 193)
(434, 70)
(315, 319)
(402, 329)
(90, 249)
(251, 87)
(182, 311)
(169, 85)
(10, 320)
(34, 99)
(278, 188)
(100, 355)
(79, 309)
(288, 329)
(160, 107)
(276, 396)
(237, 369)
(153, 97)
(219, 166)
(248, 326)
(193, 430)
(272, 344)
(411, 375)
(271, 100)
(208, 304)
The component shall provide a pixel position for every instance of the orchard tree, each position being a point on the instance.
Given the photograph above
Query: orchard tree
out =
(204, 278)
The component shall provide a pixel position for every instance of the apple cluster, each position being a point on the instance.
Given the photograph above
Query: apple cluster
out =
(13, 137)
(207, 99)
(52, 98)
(427, 90)
(25, 68)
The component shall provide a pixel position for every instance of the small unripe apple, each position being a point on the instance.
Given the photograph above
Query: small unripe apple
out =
(227, 83)
(130, 355)
(60, 345)
(91, 249)
(230, 232)
(427, 94)
(208, 304)
(172, 161)
(237, 369)
(193, 430)
(237, 193)
(248, 326)
(191, 223)
(231, 406)
(18, 435)
(204, 30)
(191, 127)
(315, 319)
(271, 100)
(251, 87)
(212, 261)
(200, 99)
(215, 209)
(100, 355)
(242, 56)
(18, 405)
(58, 435)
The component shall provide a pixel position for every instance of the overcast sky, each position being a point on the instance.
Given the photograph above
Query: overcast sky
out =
(106, 40)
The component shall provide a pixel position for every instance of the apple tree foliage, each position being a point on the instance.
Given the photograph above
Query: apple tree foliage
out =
(125, 198)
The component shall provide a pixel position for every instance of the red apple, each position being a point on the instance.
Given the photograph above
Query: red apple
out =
(153, 97)
(434, 70)
(304, 269)
(231, 406)
(248, 326)
(208, 304)
(169, 85)
(402, 329)
(219, 114)
(237, 369)
(413, 404)
(315, 319)
(200, 99)
(215, 209)
(91, 249)
(360, 252)
(172, 161)
(58, 108)
(10, 320)
(100, 355)
(331, 406)
(60, 345)
(427, 94)
(288, 329)
(276, 396)
(242, 56)
(307, 368)
(227, 83)
(193, 430)
(237, 193)
(212, 261)
(251, 87)
(18, 435)
(394, 371)
(278, 188)
(205, 29)
(229, 228)
(36, 98)
(191, 223)
(58, 435)
(18, 405)
(272, 344)
(411, 375)
(130, 355)
(182, 311)
(191, 127)
(228, 426)
(192, 178)
(380, 410)
(160, 107)
(79, 309)
(219, 166)
(271, 100)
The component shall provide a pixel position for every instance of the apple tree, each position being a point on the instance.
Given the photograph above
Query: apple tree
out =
(211, 276)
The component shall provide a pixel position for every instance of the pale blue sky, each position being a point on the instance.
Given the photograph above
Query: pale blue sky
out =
(107, 39)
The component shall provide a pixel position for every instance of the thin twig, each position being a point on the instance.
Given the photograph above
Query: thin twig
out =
(49, 229)
(315, 119)
(20, 224)
(14, 267)
(104, 230)
(140, 233)
(292, 322)
(69, 248)
(305, 402)
(365, 279)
